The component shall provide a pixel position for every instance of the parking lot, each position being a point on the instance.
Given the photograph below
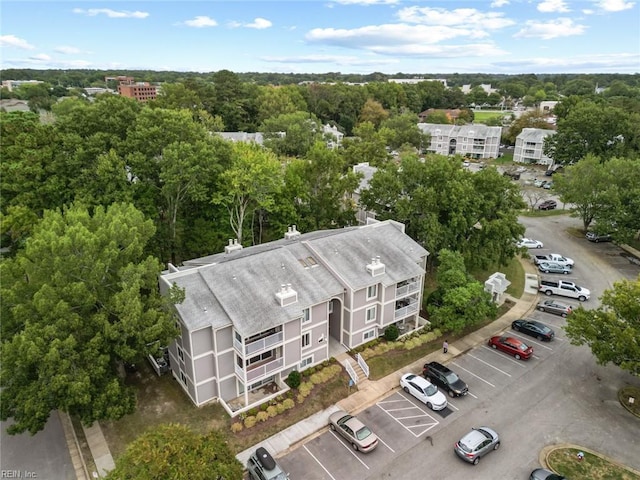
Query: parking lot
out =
(402, 422)
(559, 395)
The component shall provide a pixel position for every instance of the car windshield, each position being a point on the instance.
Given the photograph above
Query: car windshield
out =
(544, 328)
(451, 377)
(363, 433)
(522, 347)
(430, 390)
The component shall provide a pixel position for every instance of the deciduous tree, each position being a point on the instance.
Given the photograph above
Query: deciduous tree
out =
(79, 300)
(612, 331)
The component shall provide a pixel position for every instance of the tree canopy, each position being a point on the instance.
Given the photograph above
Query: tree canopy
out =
(77, 302)
(612, 331)
(175, 452)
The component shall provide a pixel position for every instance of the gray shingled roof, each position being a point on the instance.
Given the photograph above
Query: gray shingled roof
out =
(240, 288)
(536, 135)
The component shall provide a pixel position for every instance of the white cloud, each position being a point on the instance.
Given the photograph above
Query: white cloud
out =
(587, 11)
(336, 59)
(13, 41)
(366, 2)
(499, 3)
(615, 5)
(201, 21)
(551, 6)
(259, 23)
(617, 62)
(67, 50)
(562, 27)
(92, 12)
(459, 17)
(40, 57)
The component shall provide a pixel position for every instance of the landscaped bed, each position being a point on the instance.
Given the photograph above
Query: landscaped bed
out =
(566, 462)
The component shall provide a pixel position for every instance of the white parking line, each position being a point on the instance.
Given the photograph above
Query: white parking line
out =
(502, 354)
(423, 427)
(528, 339)
(471, 373)
(488, 364)
(318, 462)
(349, 449)
(385, 444)
(452, 406)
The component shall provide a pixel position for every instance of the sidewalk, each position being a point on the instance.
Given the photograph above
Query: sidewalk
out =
(369, 391)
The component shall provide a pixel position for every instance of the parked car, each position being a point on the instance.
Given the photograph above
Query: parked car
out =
(357, 433)
(555, 258)
(549, 172)
(544, 474)
(548, 185)
(555, 307)
(442, 376)
(466, 164)
(530, 243)
(539, 183)
(598, 237)
(476, 444)
(533, 328)
(262, 466)
(512, 346)
(424, 391)
(548, 205)
(512, 174)
(565, 289)
(553, 267)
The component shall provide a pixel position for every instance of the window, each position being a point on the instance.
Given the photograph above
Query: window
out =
(306, 315)
(331, 307)
(372, 291)
(183, 378)
(369, 334)
(306, 339)
(371, 314)
(260, 358)
(306, 361)
(180, 354)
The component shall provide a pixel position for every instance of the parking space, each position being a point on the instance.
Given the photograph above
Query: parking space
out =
(404, 411)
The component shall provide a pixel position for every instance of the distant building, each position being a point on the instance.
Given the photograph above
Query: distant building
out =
(11, 84)
(529, 145)
(91, 91)
(443, 81)
(243, 137)
(333, 135)
(547, 106)
(141, 91)
(367, 174)
(452, 114)
(485, 86)
(14, 105)
(473, 141)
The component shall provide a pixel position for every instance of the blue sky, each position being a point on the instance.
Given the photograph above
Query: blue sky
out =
(316, 36)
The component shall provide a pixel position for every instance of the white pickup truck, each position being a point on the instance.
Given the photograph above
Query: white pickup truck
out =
(554, 258)
(564, 289)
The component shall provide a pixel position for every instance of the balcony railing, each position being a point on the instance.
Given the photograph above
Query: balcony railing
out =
(405, 311)
(258, 371)
(265, 343)
(407, 289)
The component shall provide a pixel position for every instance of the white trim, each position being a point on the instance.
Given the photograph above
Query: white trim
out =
(306, 361)
(365, 335)
(306, 315)
(366, 314)
(375, 291)
(308, 343)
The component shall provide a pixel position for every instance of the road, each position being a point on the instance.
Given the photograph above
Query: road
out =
(560, 395)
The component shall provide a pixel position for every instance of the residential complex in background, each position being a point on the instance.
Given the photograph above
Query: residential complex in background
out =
(252, 315)
(476, 141)
(529, 146)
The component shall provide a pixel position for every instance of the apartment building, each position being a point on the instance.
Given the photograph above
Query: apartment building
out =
(252, 315)
(474, 141)
(529, 146)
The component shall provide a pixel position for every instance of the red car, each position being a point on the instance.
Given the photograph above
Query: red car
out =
(512, 346)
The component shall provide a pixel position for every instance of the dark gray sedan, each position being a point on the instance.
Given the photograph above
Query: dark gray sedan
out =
(544, 474)
(533, 328)
(555, 307)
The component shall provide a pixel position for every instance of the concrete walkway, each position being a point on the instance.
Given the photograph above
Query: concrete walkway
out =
(99, 449)
(369, 391)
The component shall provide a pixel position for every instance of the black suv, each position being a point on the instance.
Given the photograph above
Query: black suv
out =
(548, 205)
(440, 375)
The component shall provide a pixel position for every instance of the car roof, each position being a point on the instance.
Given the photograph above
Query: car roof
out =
(473, 438)
(420, 381)
(354, 424)
(438, 366)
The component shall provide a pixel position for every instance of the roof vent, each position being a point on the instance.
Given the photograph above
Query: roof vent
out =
(291, 233)
(376, 267)
(287, 295)
(233, 246)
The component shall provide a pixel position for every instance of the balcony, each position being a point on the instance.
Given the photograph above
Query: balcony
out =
(405, 307)
(258, 346)
(404, 289)
(257, 371)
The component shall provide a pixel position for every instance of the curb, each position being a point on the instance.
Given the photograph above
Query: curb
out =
(546, 451)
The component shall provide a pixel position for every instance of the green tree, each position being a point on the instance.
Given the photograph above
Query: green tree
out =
(250, 184)
(401, 130)
(373, 112)
(175, 452)
(462, 300)
(439, 117)
(292, 134)
(612, 331)
(367, 145)
(532, 119)
(79, 300)
(584, 185)
(275, 101)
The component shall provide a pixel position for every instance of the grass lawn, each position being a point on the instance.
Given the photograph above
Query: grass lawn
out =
(627, 393)
(481, 116)
(544, 213)
(161, 400)
(565, 462)
(514, 272)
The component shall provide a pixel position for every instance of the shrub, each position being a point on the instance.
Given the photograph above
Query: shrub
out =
(300, 398)
(250, 421)
(236, 427)
(264, 407)
(316, 379)
(391, 333)
(293, 379)
(280, 408)
(305, 389)
(262, 416)
(272, 411)
(253, 412)
(288, 404)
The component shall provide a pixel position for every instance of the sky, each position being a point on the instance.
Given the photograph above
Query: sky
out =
(318, 36)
